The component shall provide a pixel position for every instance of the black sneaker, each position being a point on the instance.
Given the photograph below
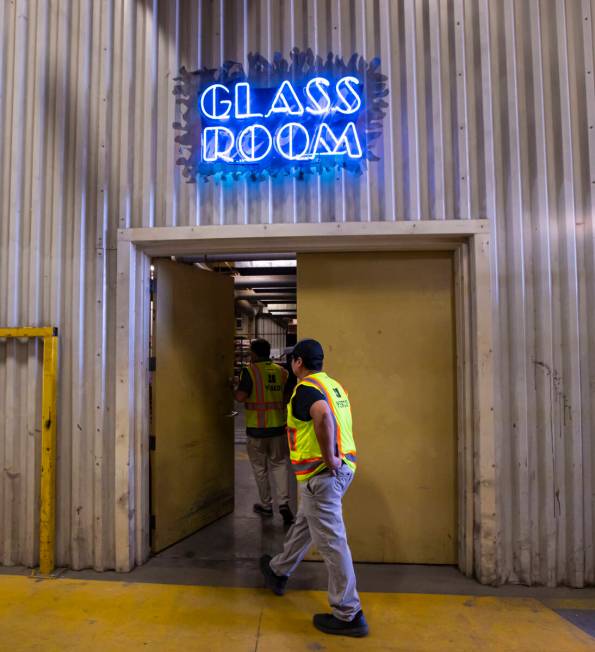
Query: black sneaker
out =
(274, 582)
(263, 511)
(287, 515)
(328, 624)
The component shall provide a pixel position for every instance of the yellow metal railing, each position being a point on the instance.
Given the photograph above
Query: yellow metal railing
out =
(47, 503)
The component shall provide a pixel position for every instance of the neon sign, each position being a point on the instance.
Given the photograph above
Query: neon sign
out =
(312, 116)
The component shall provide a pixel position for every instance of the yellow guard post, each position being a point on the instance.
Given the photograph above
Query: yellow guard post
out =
(47, 503)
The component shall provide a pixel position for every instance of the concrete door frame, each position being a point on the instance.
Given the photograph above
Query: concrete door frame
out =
(468, 239)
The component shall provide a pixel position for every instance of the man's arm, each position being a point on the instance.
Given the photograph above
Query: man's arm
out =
(324, 427)
(244, 388)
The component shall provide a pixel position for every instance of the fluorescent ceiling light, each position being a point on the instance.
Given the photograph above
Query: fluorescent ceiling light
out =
(265, 263)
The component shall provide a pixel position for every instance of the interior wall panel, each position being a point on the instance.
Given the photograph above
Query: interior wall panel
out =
(492, 114)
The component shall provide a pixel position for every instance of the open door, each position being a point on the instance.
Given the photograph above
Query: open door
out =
(386, 321)
(192, 460)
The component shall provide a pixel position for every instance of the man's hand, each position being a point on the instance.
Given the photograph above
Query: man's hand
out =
(335, 464)
(240, 396)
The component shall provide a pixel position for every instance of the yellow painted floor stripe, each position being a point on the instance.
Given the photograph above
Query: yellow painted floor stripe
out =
(65, 614)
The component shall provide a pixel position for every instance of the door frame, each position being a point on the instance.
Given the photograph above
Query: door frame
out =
(469, 240)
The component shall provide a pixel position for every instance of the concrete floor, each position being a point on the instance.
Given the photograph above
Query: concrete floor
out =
(226, 554)
(205, 593)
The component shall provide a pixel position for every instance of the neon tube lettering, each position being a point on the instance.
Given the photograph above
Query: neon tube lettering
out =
(317, 108)
(211, 150)
(327, 144)
(249, 153)
(211, 93)
(285, 140)
(242, 99)
(344, 143)
(348, 107)
(276, 133)
(280, 103)
(324, 134)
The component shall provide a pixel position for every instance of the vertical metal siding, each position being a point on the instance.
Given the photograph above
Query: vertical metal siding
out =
(492, 115)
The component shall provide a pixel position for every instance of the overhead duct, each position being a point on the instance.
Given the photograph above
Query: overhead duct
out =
(246, 307)
(273, 281)
(196, 263)
(269, 298)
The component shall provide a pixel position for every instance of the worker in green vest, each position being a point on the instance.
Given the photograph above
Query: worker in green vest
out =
(261, 390)
(323, 458)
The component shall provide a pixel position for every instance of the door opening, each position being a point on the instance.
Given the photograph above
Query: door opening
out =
(387, 322)
(204, 314)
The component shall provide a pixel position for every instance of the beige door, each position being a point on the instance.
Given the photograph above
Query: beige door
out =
(192, 465)
(386, 321)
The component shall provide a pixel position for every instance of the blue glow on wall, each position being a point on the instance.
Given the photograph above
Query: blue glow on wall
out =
(290, 119)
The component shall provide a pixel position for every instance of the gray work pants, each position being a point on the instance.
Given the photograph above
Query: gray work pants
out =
(320, 521)
(270, 453)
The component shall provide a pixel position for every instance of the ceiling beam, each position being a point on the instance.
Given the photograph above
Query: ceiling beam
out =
(271, 281)
(267, 298)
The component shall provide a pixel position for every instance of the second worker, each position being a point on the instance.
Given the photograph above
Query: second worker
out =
(261, 390)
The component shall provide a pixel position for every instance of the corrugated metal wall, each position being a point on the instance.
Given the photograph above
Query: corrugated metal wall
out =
(492, 114)
(274, 332)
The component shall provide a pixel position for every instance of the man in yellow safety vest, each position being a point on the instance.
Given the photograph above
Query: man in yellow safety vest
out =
(261, 390)
(323, 457)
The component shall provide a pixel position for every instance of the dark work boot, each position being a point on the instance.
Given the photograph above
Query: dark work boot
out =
(263, 511)
(274, 582)
(287, 514)
(328, 624)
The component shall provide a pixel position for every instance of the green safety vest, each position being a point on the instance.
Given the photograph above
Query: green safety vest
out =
(304, 450)
(265, 407)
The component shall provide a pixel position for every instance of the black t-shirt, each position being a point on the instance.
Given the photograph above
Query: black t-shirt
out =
(305, 397)
(245, 382)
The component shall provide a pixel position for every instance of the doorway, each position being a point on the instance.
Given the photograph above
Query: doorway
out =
(469, 240)
(205, 311)
(387, 323)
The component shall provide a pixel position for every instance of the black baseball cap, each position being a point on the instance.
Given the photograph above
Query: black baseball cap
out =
(311, 352)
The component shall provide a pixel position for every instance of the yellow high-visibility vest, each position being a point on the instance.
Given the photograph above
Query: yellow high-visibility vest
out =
(304, 450)
(264, 406)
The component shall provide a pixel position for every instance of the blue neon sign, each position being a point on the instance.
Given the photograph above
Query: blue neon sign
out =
(307, 117)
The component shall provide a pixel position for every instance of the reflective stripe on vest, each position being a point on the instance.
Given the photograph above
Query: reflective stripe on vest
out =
(302, 467)
(292, 438)
(265, 407)
(259, 390)
(270, 405)
(322, 388)
(307, 467)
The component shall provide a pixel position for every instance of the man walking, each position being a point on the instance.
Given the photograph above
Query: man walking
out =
(323, 457)
(261, 389)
